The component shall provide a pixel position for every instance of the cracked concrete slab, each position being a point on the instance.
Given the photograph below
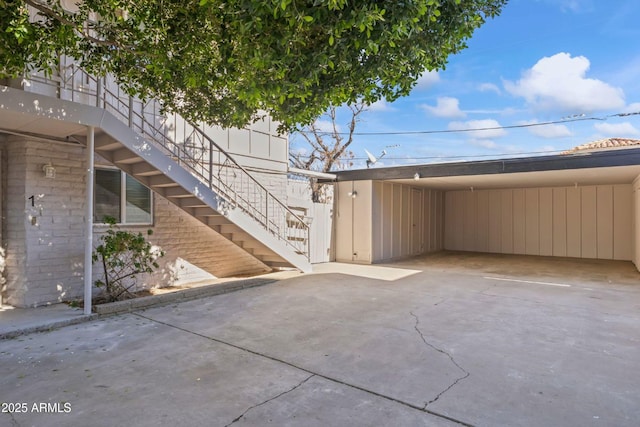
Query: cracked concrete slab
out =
(349, 407)
(126, 370)
(356, 339)
(335, 349)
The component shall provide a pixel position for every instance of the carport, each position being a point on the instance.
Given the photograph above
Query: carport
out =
(579, 205)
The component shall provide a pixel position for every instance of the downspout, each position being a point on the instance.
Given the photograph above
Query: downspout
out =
(88, 221)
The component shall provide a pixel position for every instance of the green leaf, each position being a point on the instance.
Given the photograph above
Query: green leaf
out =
(222, 62)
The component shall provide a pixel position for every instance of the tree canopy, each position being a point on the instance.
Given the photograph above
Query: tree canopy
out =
(222, 61)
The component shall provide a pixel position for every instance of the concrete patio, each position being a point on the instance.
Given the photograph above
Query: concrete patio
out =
(451, 339)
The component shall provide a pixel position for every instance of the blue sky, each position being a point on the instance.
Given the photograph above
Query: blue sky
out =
(539, 61)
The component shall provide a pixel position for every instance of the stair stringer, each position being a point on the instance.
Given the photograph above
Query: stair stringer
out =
(75, 115)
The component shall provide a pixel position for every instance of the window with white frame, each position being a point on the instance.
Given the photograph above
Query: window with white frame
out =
(121, 197)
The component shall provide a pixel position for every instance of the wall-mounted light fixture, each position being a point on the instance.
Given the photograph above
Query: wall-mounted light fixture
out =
(416, 176)
(353, 194)
(49, 171)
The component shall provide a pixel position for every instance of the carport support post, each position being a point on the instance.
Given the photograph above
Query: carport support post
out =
(88, 220)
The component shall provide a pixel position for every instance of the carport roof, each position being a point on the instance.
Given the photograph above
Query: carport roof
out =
(615, 166)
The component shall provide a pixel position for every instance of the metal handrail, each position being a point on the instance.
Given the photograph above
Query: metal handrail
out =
(197, 152)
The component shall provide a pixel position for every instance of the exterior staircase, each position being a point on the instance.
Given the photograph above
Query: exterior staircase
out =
(177, 160)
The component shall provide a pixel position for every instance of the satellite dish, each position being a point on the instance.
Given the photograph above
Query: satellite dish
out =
(371, 159)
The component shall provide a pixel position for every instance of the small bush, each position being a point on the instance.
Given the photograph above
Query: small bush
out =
(124, 255)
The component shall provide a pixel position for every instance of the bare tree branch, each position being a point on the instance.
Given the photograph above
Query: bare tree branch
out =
(329, 149)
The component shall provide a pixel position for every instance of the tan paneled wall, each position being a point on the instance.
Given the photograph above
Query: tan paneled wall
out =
(635, 232)
(386, 221)
(353, 222)
(406, 221)
(583, 222)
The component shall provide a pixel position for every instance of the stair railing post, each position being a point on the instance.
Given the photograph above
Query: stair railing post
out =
(131, 111)
(266, 211)
(210, 165)
(98, 91)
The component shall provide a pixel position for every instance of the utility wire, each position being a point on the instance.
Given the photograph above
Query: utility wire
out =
(527, 125)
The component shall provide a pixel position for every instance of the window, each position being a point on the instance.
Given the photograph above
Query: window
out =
(120, 196)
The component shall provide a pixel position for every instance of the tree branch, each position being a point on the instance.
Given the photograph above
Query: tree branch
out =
(64, 20)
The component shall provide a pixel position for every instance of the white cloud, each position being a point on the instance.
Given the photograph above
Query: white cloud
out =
(508, 111)
(489, 87)
(426, 80)
(493, 128)
(572, 6)
(559, 83)
(634, 107)
(300, 151)
(380, 106)
(326, 126)
(484, 143)
(617, 129)
(446, 107)
(548, 131)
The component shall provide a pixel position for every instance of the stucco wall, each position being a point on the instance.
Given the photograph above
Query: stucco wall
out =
(582, 222)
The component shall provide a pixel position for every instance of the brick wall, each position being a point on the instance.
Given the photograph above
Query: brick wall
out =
(43, 222)
(193, 251)
(45, 242)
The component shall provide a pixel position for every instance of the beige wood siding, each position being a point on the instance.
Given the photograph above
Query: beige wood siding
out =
(362, 226)
(623, 222)
(343, 222)
(495, 224)
(482, 229)
(506, 214)
(559, 221)
(377, 228)
(406, 221)
(545, 219)
(585, 222)
(387, 225)
(353, 222)
(574, 223)
(636, 227)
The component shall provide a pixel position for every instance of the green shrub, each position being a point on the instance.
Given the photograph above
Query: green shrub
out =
(124, 255)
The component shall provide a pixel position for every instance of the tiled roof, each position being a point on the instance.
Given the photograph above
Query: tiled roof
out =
(605, 144)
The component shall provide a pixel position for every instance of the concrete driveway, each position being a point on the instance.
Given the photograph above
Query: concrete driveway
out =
(428, 342)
